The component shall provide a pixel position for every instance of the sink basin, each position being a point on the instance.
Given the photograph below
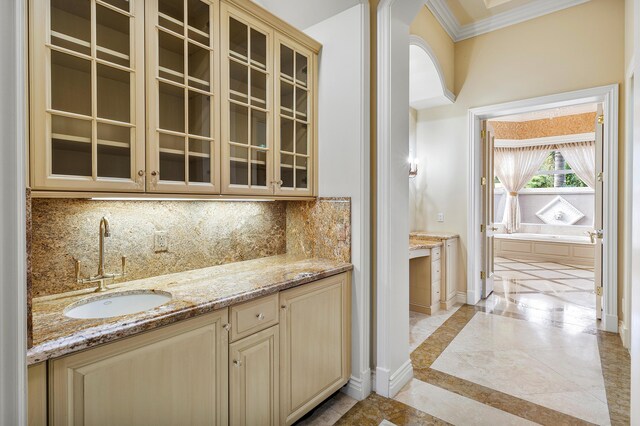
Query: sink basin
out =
(116, 304)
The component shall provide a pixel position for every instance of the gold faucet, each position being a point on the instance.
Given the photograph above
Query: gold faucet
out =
(101, 277)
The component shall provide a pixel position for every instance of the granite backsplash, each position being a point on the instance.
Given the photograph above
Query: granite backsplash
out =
(199, 233)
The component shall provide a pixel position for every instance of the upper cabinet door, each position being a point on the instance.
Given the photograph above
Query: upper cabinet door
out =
(247, 82)
(87, 95)
(295, 122)
(183, 145)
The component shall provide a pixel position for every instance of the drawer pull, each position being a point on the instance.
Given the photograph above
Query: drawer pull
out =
(260, 316)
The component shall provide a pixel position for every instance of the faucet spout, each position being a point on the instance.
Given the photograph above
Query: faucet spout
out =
(104, 232)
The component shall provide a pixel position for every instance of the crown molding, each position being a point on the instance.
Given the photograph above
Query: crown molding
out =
(458, 32)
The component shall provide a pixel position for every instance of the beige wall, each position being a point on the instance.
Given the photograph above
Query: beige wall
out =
(429, 29)
(572, 49)
(628, 33)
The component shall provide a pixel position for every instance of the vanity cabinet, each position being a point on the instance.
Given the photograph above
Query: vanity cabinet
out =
(173, 375)
(449, 285)
(171, 96)
(315, 344)
(37, 394)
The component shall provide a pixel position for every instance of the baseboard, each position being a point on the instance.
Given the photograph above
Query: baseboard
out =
(461, 297)
(389, 384)
(401, 377)
(625, 336)
(359, 388)
(610, 323)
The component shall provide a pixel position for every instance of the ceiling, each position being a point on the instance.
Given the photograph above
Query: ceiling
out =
(463, 19)
(426, 84)
(550, 113)
(302, 14)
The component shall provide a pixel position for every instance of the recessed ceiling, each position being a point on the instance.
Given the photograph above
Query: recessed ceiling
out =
(470, 11)
(550, 113)
(463, 19)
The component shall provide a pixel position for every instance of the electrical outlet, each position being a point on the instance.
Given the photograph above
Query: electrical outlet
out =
(440, 217)
(160, 241)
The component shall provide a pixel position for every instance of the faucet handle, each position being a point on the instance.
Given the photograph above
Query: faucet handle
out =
(124, 265)
(77, 268)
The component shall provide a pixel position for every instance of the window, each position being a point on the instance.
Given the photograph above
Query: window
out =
(555, 172)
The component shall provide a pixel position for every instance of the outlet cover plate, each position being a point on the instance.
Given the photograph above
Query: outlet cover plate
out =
(160, 241)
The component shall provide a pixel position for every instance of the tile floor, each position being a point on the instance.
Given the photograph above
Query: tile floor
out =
(531, 353)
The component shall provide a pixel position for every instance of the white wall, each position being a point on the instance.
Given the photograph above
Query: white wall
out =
(344, 157)
(13, 329)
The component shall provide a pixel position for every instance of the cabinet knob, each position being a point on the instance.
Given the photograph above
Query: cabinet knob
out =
(260, 316)
(227, 327)
(155, 173)
(237, 363)
(140, 173)
(283, 306)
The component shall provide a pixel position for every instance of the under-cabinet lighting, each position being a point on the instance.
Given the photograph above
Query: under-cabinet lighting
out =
(179, 199)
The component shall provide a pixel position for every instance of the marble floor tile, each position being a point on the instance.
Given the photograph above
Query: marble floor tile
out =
(549, 265)
(330, 411)
(502, 260)
(549, 274)
(580, 273)
(578, 404)
(519, 275)
(519, 266)
(454, 408)
(578, 283)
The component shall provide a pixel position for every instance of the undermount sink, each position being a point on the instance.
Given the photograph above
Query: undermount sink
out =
(116, 304)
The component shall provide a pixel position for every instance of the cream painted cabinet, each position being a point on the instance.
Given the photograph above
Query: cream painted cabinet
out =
(254, 379)
(87, 95)
(173, 375)
(247, 117)
(37, 396)
(295, 109)
(449, 286)
(183, 144)
(172, 97)
(315, 344)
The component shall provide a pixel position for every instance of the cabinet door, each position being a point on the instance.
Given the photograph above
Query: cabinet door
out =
(87, 95)
(37, 396)
(451, 268)
(183, 146)
(174, 375)
(315, 344)
(254, 381)
(247, 82)
(295, 119)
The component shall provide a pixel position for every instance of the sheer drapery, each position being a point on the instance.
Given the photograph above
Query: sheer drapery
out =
(581, 156)
(515, 167)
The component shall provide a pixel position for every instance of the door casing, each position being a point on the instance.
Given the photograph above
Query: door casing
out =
(608, 96)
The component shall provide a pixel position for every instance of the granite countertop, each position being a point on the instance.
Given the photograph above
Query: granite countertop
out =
(193, 293)
(434, 235)
(421, 244)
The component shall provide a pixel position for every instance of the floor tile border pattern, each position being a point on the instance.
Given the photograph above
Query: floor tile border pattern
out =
(425, 355)
(616, 370)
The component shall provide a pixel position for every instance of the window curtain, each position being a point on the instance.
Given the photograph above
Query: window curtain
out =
(581, 156)
(515, 167)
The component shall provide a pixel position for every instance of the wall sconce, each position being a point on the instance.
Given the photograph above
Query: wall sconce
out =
(413, 167)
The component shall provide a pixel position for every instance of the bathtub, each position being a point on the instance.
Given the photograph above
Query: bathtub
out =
(569, 249)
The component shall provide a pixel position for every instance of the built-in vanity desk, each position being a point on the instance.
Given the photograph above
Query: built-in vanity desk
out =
(256, 342)
(433, 271)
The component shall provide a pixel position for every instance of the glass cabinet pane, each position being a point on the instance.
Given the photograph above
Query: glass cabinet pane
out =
(199, 160)
(71, 25)
(301, 172)
(114, 151)
(302, 140)
(171, 157)
(171, 107)
(171, 15)
(286, 62)
(239, 162)
(199, 72)
(199, 114)
(114, 93)
(286, 135)
(112, 34)
(259, 128)
(238, 40)
(286, 170)
(258, 48)
(301, 69)
(258, 167)
(70, 83)
(170, 57)
(70, 146)
(199, 25)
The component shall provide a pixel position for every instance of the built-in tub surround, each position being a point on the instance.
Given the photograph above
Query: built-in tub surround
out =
(200, 234)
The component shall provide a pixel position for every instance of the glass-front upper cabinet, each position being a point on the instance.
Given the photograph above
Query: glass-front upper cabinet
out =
(87, 95)
(247, 123)
(295, 141)
(183, 143)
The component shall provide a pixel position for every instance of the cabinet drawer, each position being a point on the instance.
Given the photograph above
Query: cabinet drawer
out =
(435, 271)
(253, 316)
(435, 253)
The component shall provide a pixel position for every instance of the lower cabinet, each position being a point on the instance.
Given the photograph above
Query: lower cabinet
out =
(170, 376)
(315, 344)
(450, 278)
(285, 354)
(254, 380)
